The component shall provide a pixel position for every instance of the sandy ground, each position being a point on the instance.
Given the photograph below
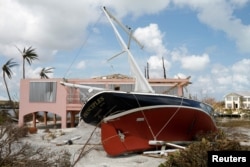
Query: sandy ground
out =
(95, 155)
(240, 134)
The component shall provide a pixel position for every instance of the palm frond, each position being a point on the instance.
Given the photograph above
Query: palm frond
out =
(7, 67)
(45, 71)
(29, 54)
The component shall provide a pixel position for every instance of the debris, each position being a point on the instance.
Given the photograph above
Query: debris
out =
(160, 153)
(164, 143)
(69, 142)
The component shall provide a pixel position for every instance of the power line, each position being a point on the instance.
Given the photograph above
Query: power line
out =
(80, 49)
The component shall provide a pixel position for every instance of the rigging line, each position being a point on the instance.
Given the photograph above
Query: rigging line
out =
(80, 49)
(170, 118)
(154, 136)
(113, 136)
(142, 111)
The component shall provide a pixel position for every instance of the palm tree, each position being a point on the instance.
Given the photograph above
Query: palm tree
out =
(28, 55)
(6, 68)
(45, 71)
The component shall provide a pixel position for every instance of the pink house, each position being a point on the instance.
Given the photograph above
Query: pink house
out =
(50, 96)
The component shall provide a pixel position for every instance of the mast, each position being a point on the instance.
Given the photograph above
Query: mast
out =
(126, 29)
(141, 84)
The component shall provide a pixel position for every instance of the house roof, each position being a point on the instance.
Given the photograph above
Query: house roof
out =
(238, 94)
(113, 76)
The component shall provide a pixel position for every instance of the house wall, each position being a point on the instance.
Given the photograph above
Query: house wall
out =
(27, 107)
(232, 102)
(246, 102)
(236, 101)
(68, 99)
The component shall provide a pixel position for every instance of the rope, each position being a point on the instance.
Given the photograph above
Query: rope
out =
(164, 126)
(150, 129)
(169, 119)
(80, 49)
(111, 137)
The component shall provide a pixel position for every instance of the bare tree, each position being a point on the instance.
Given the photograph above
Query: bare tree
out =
(16, 152)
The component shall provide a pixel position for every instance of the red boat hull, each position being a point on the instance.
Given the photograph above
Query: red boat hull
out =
(131, 131)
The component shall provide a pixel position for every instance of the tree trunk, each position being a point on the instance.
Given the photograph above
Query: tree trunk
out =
(23, 68)
(7, 89)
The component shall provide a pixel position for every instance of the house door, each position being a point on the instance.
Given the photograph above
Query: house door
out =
(236, 106)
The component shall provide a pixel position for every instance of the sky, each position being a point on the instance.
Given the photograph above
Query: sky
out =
(208, 40)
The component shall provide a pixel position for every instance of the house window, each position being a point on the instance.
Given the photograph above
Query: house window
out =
(229, 105)
(229, 98)
(235, 98)
(244, 105)
(42, 92)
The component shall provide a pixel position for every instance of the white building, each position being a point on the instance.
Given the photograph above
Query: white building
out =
(237, 100)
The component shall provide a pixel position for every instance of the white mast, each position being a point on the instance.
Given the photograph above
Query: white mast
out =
(141, 84)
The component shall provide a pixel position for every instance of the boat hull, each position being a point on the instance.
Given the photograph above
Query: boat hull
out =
(132, 130)
(108, 103)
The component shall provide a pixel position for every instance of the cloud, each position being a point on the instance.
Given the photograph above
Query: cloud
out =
(180, 76)
(156, 67)
(242, 66)
(53, 27)
(219, 15)
(203, 87)
(223, 79)
(137, 8)
(32, 72)
(219, 69)
(195, 62)
(45, 24)
(240, 72)
(152, 39)
(190, 62)
(81, 65)
(241, 79)
(221, 75)
(156, 62)
(56, 25)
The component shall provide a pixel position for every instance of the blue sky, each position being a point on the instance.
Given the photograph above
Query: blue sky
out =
(208, 40)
